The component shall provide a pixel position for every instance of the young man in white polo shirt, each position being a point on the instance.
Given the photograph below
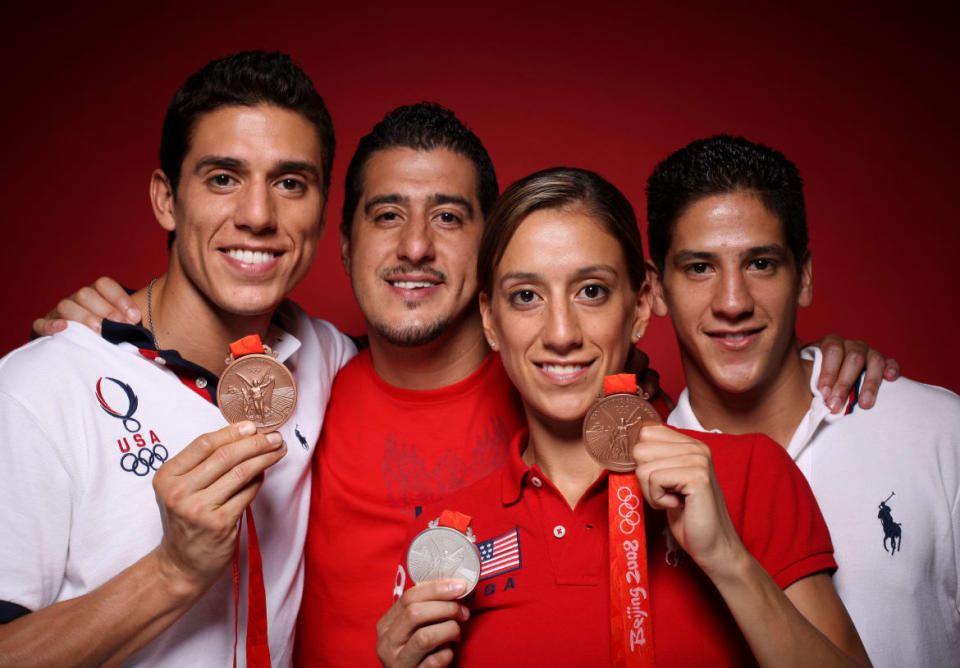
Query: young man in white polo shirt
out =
(728, 241)
(92, 572)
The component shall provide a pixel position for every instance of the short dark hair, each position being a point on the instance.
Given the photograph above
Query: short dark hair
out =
(557, 188)
(423, 127)
(718, 165)
(244, 79)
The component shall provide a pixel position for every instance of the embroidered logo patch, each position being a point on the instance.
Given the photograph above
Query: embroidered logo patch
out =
(138, 457)
(891, 529)
(500, 555)
(121, 412)
(303, 441)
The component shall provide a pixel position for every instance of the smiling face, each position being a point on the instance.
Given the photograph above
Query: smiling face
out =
(562, 311)
(732, 289)
(412, 251)
(248, 211)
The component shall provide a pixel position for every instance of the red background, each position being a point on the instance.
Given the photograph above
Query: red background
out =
(863, 100)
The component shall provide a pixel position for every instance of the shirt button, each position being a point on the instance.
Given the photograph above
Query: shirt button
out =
(536, 482)
(559, 531)
(159, 360)
(201, 382)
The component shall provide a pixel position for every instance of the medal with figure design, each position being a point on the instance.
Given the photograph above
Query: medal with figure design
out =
(612, 426)
(444, 552)
(255, 386)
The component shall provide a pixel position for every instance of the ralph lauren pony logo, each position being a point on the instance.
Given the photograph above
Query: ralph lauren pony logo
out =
(891, 529)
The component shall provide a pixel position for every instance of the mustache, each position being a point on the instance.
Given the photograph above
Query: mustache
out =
(401, 269)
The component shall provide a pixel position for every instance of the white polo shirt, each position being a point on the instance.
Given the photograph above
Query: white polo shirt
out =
(83, 425)
(899, 562)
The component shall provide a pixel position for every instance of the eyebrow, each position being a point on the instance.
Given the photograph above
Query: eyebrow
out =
(376, 200)
(524, 276)
(443, 198)
(219, 161)
(685, 255)
(435, 199)
(236, 164)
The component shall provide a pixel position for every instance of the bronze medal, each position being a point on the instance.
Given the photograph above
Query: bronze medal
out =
(258, 388)
(612, 427)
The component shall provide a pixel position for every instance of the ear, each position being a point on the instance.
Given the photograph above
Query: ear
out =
(658, 302)
(805, 298)
(486, 315)
(345, 251)
(163, 201)
(642, 312)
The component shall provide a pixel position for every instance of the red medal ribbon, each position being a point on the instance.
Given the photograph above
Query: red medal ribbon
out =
(454, 520)
(631, 626)
(257, 645)
(246, 346)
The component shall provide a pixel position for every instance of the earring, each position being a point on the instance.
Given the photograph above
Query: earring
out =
(493, 345)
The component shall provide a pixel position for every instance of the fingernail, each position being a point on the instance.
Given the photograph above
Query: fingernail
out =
(274, 438)
(867, 397)
(464, 612)
(246, 428)
(133, 314)
(835, 403)
(457, 587)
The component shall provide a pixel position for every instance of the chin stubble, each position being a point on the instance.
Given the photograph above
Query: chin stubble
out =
(413, 336)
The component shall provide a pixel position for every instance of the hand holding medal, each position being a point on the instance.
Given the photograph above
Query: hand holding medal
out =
(424, 622)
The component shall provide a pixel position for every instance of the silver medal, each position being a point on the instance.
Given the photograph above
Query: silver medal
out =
(443, 553)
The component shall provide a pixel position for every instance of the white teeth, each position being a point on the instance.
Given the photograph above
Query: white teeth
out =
(411, 285)
(561, 369)
(249, 256)
(734, 337)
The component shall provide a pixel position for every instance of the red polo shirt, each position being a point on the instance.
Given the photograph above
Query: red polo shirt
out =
(546, 601)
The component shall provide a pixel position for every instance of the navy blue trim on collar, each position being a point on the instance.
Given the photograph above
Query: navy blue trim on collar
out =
(139, 336)
(855, 394)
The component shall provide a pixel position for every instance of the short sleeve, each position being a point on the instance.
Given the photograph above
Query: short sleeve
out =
(783, 527)
(35, 498)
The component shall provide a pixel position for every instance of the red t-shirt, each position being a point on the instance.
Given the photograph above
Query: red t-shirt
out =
(383, 454)
(549, 604)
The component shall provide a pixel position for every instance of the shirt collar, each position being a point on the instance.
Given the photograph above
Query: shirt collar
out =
(516, 475)
(514, 471)
(283, 343)
(819, 414)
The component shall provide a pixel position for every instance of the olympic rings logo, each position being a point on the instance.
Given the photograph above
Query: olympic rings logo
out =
(147, 459)
(629, 502)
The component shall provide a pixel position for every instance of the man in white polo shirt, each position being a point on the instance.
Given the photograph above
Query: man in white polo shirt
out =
(728, 241)
(92, 572)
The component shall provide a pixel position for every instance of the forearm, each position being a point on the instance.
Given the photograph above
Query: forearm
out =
(105, 626)
(777, 632)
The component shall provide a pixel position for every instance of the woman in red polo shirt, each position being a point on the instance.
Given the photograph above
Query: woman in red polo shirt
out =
(734, 568)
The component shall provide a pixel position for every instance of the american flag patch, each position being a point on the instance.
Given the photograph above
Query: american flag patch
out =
(500, 554)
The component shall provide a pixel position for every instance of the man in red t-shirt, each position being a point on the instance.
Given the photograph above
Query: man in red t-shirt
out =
(426, 409)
